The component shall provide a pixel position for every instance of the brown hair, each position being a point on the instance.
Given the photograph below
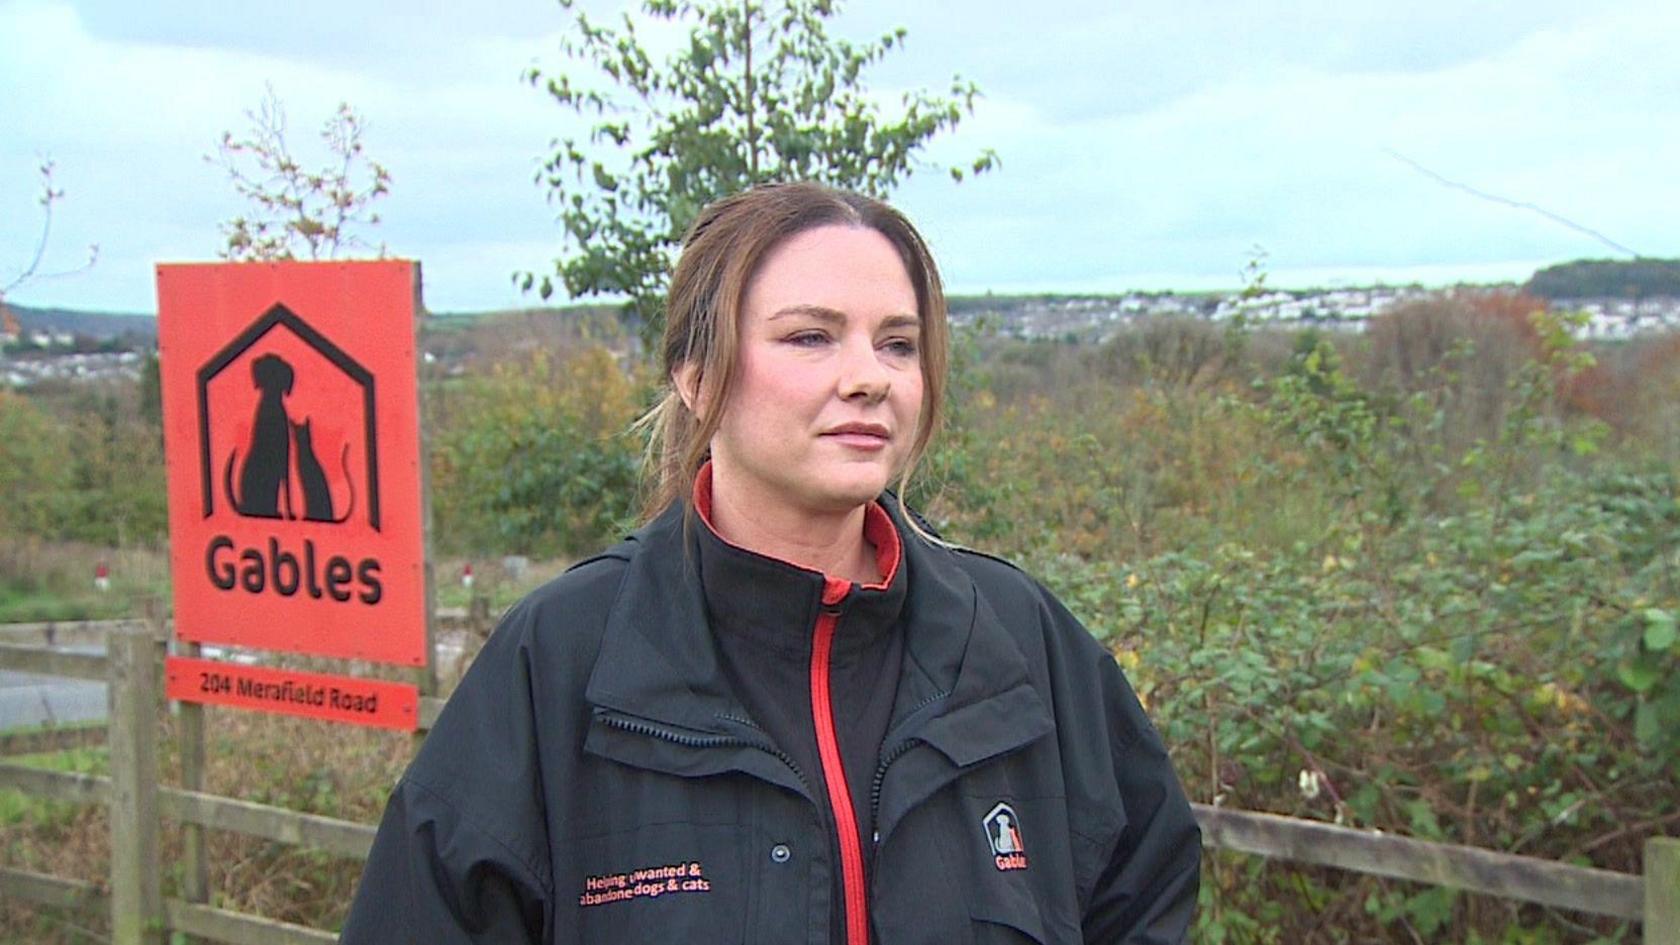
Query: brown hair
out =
(721, 252)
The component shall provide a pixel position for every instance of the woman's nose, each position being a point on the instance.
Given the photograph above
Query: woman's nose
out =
(861, 372)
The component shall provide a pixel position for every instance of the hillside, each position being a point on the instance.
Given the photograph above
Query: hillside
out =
(100, 325)
(1608, 279)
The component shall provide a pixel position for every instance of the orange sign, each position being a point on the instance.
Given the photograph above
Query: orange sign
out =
(289, 692)
(292, 433)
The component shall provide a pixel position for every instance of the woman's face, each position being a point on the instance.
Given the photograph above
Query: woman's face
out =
(828, 384)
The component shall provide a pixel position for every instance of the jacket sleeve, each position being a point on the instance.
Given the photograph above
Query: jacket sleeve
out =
(1137, 846)
(432, 877)
(460, 854)
(1146, 892)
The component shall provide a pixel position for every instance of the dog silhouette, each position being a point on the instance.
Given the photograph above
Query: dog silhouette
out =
(264, 477)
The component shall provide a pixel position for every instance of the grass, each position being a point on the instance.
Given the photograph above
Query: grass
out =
(18, 605)
(18, 808)
(53, 581)
(491, 580)
(61, 838)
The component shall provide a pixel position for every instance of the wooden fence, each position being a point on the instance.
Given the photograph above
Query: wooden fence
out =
(141, 915)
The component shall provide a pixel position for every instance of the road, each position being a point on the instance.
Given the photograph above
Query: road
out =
(27, 700)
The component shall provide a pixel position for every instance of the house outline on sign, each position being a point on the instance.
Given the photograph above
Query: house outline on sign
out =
(276, 317)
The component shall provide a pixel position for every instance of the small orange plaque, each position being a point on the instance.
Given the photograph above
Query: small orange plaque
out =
(344, 699)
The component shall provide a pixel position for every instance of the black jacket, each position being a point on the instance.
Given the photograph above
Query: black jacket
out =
(594, 779)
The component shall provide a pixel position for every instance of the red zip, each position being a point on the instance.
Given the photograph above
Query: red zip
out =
(834, 772)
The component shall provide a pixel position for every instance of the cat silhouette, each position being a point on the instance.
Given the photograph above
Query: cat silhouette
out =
(317, 494)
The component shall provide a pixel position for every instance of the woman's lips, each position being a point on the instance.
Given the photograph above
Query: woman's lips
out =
(863, 436)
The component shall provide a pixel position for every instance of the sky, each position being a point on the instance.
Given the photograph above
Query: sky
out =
(1145, 144)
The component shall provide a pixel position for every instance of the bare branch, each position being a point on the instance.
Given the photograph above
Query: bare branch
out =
(31, 272)
(297, 211)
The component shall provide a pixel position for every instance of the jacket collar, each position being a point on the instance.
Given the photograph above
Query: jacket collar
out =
(964, 686)
(657, 660)
(773, 604)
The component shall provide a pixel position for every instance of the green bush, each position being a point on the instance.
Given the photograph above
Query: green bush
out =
(83, 466)
(535, 457)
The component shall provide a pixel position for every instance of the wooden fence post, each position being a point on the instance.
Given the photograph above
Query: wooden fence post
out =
(195, 881)
(428, 674)
(1662, 891)
(136, 887)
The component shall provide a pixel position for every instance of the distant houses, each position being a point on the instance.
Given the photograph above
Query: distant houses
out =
(1089, 318)
(31, 355)
(93, 366)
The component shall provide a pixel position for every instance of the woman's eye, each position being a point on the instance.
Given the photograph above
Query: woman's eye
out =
(901, 346)
(808, 339)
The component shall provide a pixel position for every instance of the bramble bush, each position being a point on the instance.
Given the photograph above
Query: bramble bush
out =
(1341, 601)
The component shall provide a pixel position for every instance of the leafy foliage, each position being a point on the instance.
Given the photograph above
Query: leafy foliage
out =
(754, 92)
(297, 212)
(1341, 603)
(535, 457)
(84, 469)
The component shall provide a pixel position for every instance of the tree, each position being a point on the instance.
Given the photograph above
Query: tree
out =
(531, 457)
(297, 212)
(34, 454)
(755, 92)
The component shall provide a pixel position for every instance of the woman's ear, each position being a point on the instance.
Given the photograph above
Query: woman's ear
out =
(686, 380)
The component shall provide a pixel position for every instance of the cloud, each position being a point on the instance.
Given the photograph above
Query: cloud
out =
(129, 114)
(1145, 141)
(1290, 156)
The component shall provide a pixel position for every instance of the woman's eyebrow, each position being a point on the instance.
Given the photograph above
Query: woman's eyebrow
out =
(819, 312)
(826, 314)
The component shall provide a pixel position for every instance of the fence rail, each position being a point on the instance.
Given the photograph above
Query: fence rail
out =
(189, 918)
(1653, 897)
(49, 661)
(58, 633)
(1525, 878)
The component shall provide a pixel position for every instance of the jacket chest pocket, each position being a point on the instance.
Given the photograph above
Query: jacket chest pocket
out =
(661, 882)
(1005, 913)
(1004, 887)
(1016, 881)
(977, 871)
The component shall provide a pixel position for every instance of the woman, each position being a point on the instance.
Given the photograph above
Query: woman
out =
(781, 712)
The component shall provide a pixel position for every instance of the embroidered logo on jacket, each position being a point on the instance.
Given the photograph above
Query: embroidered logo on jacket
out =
(1003, 832)
(645, 883)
